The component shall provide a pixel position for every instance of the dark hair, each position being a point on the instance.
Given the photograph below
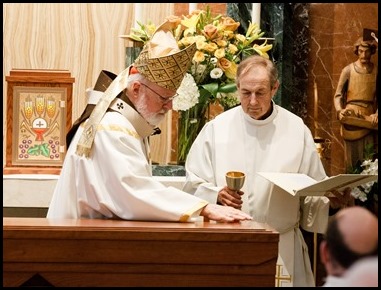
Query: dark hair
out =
(339, 251)
(365, 43)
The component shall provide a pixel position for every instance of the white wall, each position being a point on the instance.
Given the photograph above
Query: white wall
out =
(35, 190)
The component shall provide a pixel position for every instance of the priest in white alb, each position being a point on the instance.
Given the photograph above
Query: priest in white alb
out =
(260, 136)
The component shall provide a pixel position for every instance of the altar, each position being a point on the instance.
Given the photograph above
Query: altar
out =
(101, 253)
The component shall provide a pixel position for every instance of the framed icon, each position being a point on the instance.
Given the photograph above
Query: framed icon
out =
(38, 119)
(38, 126)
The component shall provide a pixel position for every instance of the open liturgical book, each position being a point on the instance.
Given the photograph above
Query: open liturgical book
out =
(299, 184)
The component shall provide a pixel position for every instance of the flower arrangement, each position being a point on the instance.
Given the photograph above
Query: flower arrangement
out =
(367, 194)
(219, 49)
(211, 77)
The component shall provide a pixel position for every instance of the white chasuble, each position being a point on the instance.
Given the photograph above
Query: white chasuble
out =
(280, 143)
(116, 182)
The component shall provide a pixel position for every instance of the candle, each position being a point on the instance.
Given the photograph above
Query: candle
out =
(315, 107)
(256, 13)
(192, 7)
(138, 10)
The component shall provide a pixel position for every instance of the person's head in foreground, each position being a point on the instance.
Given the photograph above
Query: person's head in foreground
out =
(351, 234)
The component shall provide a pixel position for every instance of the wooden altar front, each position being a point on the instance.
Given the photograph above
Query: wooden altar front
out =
(48, 252)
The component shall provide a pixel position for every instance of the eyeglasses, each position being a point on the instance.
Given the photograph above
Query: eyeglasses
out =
(162, 99)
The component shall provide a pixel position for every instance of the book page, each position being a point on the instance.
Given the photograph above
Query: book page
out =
(302, 185)
(290, 182)
(338, 182)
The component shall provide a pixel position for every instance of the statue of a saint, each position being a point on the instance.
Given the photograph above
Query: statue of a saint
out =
(356, 103)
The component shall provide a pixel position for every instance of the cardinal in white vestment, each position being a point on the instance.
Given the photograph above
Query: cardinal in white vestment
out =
(107, 171)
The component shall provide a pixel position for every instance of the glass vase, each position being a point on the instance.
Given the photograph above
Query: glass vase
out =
(190, 123)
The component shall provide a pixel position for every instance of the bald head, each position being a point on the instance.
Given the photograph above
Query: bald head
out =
(359, 229)
(352, 234)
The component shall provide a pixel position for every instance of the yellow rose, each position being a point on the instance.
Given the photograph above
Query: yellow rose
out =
(232, 48)
(228, 34)
(229, 68)
(229, 23)
(231, 72)
(211, 47)
(200, 38)
(222, 43)
(200, 44)
(199, 56)
(219, 53)
(210, 31)
(187, 41)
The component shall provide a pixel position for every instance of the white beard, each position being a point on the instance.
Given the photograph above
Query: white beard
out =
(150, 117)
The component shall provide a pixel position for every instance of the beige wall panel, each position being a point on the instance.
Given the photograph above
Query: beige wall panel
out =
(80, 37)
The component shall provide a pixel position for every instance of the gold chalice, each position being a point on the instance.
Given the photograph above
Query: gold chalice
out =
(235, 180)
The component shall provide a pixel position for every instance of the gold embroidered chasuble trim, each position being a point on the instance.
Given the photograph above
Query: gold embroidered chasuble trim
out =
(87, 138)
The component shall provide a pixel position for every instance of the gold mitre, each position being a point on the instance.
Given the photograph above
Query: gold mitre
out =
(161, 61)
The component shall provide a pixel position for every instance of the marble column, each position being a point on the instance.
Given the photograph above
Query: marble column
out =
(288, 24)
(256, 13)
